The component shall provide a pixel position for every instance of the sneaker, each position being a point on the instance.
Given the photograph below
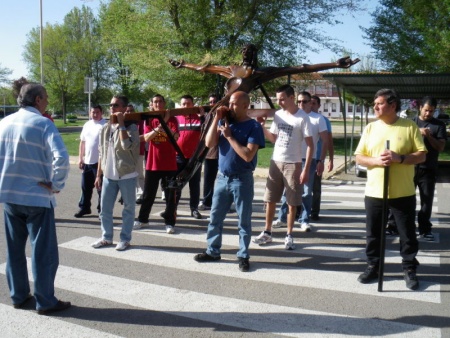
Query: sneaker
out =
(81, 213)
(279, 224)
(163, 196)
(139, 201)
(263, 238)
(289, 243)
(122, 245)
(314, 217)
(204, 257)
(202, 207)
(391, 230)
(244, 264)
(139, 225)
(170, 229)
(411, 280)
(196, 214)
(60, 306)
(305, 227)
(428, 236)
(101, 243)
(370, 275)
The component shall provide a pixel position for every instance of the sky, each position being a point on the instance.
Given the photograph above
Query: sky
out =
(19, 17)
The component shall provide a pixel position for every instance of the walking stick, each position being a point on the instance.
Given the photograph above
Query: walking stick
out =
(384, 217)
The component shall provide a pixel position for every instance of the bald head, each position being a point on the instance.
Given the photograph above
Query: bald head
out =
(239, 102)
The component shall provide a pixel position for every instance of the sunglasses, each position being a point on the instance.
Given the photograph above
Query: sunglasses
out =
(115, 105)
(303, 101)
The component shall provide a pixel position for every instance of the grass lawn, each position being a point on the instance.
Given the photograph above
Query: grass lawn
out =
(72, 140)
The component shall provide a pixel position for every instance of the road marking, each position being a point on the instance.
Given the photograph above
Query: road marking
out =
(250, 315)
(23, 323)
(394, 287)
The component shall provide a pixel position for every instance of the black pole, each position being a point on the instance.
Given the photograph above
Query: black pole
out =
(384, 218)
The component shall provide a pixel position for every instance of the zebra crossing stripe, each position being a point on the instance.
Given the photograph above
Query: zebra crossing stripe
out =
(18, 323)
(265, 272)
(250, 315)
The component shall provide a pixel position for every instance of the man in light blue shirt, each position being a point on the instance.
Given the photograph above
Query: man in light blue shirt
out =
(34, 165)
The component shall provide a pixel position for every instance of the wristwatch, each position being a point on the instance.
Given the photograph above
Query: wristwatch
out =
(402, 158)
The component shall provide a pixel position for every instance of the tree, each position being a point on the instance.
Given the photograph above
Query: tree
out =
(4, 73)
(411, 35)
(72, 51)
(148, 33)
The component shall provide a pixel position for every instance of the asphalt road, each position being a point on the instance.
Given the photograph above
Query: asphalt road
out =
(156, 288)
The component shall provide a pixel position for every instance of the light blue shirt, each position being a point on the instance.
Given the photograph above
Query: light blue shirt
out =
(31, 151)
(319, 142)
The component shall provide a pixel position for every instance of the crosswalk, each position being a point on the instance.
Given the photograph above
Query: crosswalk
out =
(309, 292)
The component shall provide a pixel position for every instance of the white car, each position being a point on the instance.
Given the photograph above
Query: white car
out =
(360, 171)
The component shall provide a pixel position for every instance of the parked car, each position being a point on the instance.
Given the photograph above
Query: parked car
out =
(360, 170)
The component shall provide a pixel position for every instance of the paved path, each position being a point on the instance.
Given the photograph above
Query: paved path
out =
(156, 289)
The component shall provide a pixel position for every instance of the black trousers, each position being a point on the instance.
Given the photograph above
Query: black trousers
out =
(403, 210)
(425, 179)
(87, 187)
(210, 169)
(151, 185)
(194, 187)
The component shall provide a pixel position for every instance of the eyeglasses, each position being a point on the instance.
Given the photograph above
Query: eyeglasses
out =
(115, 105)
(303, 101)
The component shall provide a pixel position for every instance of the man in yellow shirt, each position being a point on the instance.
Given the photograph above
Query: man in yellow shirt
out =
(406, 150)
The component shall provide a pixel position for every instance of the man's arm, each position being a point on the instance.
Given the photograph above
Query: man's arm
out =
(267, 134)
(304, 176)
(81, 152)
(388, 157)
(437, 144)
(330, 151)
(323, 152)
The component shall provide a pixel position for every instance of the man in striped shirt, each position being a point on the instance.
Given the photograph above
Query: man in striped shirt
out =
(34, 165)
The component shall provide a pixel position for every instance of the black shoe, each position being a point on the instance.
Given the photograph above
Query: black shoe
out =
(196, 214)
(120, 200)
(21, 305)
(391, 230)
(314, 217)
(204, 257)
(60, 306)
(139, 201)
(428, 236)
(411, 280)
(370, 275)
(244, 264)
(81, 213)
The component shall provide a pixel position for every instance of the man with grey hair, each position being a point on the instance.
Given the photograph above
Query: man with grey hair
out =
(34, 167)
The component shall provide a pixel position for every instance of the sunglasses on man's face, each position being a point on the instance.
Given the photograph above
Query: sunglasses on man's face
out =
(303, 101)
(115, 105)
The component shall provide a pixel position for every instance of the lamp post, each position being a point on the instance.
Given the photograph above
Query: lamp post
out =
(41, 45)
(4, 104)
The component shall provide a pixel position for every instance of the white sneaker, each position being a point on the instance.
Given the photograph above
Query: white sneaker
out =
(101, 243)
(263, 238)
(289, 243)
(163, 196)
(122, 245)
(279, 224)
(170, 229)
(139, 225)
(305, 227)
(203, 207)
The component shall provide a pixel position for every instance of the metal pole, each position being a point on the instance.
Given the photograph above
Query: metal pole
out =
(41, 46)
(384, 217)
(4, 105)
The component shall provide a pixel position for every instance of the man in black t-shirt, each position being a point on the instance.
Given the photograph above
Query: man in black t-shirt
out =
(435, 138)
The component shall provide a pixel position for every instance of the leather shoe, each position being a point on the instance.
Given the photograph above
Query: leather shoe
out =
(81, 213)
(60, 306)
(21, 305)
(139, 201)
(196, 214)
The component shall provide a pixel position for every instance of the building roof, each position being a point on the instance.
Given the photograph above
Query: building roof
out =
(409, 86)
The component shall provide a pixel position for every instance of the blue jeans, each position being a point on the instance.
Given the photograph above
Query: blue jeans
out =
(110, 189)
(87, 187)
(39, 223)
(228, 189)
(306, 197)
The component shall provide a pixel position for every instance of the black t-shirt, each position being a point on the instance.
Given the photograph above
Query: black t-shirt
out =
(437, 128)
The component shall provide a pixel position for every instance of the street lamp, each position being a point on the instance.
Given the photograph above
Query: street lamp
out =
(41, 45)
